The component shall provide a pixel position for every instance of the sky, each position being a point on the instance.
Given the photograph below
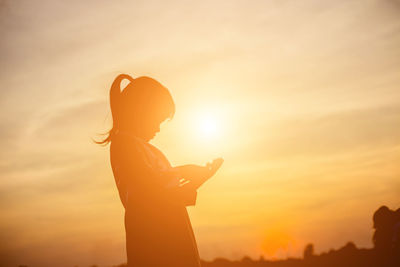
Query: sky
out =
(303, 96)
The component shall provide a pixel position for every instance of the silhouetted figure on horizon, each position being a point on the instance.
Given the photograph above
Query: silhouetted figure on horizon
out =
(386, 235)
(308, 251)
(396, 237)
(154, 194)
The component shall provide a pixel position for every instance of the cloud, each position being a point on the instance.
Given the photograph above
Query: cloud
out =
(68, 123)
(339, 132)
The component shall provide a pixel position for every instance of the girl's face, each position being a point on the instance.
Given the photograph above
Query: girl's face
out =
(150, 128)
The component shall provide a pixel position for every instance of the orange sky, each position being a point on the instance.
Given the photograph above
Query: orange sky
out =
(306, 95)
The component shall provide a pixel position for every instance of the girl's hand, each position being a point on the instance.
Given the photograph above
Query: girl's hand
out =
(215, 165)
(197, 174)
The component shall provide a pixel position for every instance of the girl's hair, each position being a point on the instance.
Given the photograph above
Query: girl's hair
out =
(142, 99)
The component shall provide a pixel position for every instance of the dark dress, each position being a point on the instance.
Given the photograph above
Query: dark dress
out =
(157, 225)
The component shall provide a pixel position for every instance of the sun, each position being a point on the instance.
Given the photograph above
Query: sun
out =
(208, 126)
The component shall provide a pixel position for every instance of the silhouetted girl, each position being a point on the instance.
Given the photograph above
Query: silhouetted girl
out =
(154, 194)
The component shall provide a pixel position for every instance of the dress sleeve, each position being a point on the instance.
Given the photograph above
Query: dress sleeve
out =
(141, 179)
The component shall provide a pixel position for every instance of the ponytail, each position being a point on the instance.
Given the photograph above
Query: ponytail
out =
(115, 105)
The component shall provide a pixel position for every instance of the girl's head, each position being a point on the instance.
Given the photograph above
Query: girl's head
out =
(140, 108)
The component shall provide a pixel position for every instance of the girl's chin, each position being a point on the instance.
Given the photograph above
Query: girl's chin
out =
(149, 137)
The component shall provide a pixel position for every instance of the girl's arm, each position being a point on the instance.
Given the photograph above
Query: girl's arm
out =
(142, 179)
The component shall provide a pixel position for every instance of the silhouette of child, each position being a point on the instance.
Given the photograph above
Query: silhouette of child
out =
(153, 193)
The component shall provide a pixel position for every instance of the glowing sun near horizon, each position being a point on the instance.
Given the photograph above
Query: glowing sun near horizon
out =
(208, 125)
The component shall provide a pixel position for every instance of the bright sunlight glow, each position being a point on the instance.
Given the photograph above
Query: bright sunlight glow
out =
(208, 123)
(208, 126)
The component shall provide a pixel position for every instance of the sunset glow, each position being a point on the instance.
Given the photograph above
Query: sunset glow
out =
(208, 126)
(300, 98)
